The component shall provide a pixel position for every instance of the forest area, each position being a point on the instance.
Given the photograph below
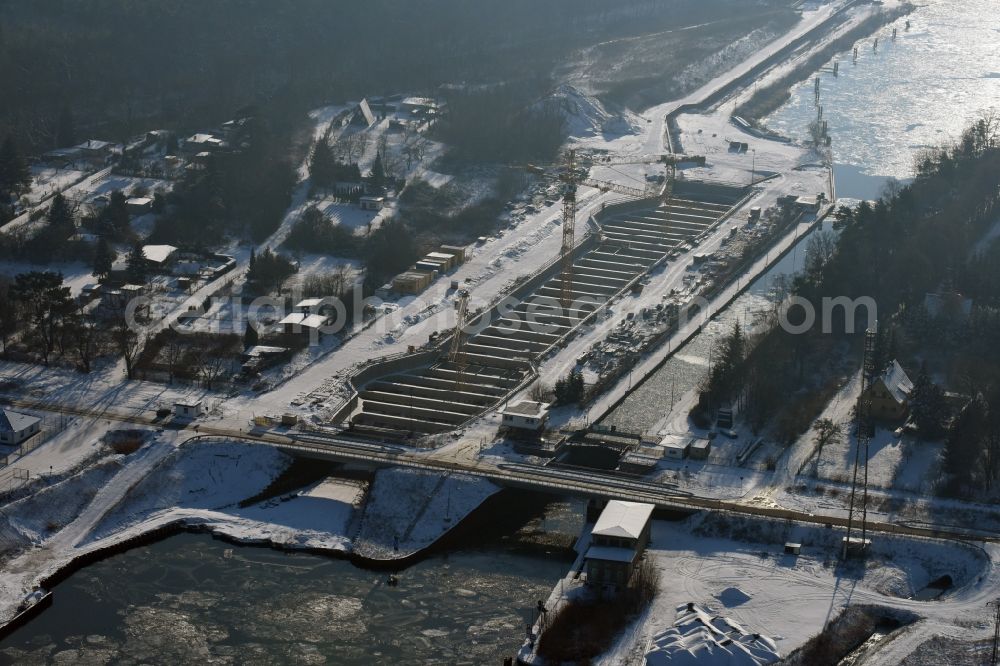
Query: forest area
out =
(929, 237)
(123, 66)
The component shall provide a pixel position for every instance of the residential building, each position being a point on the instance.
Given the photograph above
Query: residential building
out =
(890, 393)
(16, 427)
(159, 257)
(372, 203)
(94, 150)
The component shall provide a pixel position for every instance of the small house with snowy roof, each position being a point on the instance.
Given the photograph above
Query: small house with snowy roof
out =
(890, 393)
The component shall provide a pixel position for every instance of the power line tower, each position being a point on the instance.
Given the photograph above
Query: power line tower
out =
(456, 354)
(862, 417)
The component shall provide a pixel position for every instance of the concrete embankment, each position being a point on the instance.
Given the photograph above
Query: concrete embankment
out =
(655, 359)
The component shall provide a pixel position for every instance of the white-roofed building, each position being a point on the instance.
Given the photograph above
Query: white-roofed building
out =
(16, 427)
(617, 542)
(525, 415)
(159, 256)
(308, 305)
(139, 205)
(301, 322)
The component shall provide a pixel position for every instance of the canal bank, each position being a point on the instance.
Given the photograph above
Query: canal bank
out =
(193, 599)
(226, 490)
(534, 532)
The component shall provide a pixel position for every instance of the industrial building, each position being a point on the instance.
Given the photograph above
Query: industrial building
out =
(617, 542)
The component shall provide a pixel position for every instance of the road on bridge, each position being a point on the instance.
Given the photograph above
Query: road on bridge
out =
(334, 446)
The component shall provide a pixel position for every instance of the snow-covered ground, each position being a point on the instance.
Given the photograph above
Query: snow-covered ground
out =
(408, 510)
(179, 478)
(739, 570)
(703, 639)
(47, 181)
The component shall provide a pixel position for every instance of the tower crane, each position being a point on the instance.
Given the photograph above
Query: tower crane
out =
(456, 353)
(574, 172)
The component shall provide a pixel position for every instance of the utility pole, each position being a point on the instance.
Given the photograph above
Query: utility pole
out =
(995, 655)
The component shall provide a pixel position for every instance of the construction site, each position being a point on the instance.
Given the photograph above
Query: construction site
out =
(493, 354)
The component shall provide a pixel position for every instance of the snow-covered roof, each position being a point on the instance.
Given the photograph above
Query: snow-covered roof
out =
(139, 201)
(158, 253)
(623, 519)
(676, 442)
(303, 320)
(366, 112)
(204, 139)
(309, 303)
(94, 144)
(11, 421)
(611, 554)
(264, 350)
(527, 408)
(897, 382)
(419, 101)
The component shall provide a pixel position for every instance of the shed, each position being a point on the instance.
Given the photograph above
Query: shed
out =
(189, 410)
(429, 266)
(308, 305)
(447, 259)
(793, 548)
(300, 322)
(372, 203)
(700, 449)
(139, 205)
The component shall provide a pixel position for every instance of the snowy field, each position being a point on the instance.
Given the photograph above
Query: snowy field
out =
(738, 570)
(408, 510)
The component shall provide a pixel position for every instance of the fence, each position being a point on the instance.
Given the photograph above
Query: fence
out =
(51, 425)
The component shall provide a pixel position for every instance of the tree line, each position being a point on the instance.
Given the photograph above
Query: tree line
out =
(915, 240)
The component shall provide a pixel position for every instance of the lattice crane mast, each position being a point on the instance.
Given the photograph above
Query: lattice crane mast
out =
(574, 172)
(456, 353)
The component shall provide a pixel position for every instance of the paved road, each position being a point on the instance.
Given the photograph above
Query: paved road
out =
(335, 446)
